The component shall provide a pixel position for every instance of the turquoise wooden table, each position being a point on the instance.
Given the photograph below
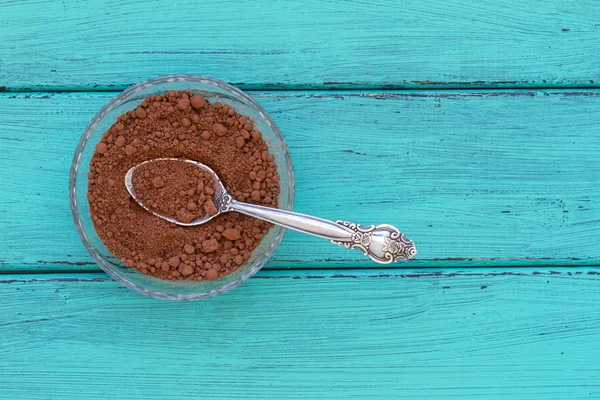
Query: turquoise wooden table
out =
(478, 122)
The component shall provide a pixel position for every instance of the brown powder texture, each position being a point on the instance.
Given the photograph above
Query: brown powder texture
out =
(181, 125)
(175, 189)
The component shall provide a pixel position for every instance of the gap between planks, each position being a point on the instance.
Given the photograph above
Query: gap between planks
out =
(328, 86)
(320, 273)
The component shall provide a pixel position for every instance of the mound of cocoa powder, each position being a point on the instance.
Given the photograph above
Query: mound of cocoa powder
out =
(175, 189)
(181, 125)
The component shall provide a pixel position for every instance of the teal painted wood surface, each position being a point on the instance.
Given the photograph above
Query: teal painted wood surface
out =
(315, 334)
(474, 178)
(103, 44)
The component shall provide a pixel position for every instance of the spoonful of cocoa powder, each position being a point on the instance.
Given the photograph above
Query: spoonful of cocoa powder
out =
(189, 193)
(179, 192)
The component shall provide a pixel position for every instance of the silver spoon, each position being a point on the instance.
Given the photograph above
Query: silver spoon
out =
(382, 243)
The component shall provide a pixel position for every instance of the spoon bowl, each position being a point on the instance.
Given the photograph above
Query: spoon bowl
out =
(219, 195)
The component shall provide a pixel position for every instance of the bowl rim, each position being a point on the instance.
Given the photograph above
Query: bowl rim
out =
(257, 264)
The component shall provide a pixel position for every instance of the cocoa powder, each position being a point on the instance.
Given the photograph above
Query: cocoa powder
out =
(180, 125)
(175, 189)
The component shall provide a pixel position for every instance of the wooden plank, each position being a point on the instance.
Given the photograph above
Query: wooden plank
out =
(474, 178)
(315, 334)
(291, 44)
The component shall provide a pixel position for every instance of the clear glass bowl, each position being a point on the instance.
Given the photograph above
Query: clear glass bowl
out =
(214, 90)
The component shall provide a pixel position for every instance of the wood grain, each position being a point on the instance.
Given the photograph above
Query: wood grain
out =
(474, 178)
(291, 44)
(316, 334)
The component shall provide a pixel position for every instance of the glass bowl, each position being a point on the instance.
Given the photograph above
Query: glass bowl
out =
(214, 90)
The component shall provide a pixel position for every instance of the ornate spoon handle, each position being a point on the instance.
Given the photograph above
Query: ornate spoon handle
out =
(382, 243)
